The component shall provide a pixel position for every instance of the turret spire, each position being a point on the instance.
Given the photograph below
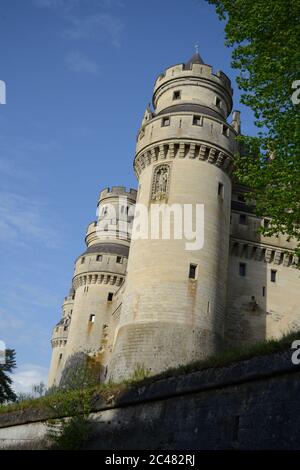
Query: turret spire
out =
(196, 59)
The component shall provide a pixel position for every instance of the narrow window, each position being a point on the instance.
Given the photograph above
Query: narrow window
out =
(165, 121)
(225, 130)
(243, 219)
(208, 307)
(218, 102)
(242, 269)
(266, 223)
(82, 260)
(99, 258)
(193, 271)
(177, 95)
(119, 259)
(273, 275)
(264, 291)
(60, 356)
(221, 190)
(110, 296)
(197, 121)
(92, 318)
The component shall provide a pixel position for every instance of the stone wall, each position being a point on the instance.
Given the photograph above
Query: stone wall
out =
(252, 404)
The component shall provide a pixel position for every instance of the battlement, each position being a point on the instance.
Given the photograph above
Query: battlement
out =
(195, 70)
(60, 332)
(69, 298)
(118, 191)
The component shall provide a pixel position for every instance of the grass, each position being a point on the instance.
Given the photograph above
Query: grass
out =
(71, 400)
(233, 356)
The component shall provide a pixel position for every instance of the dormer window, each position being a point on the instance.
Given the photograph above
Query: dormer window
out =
(273, 275)
(165, 121)
(218, 102)
(193, 271)
(197, 120)
(221, 190)
(177, 95)
(242, 269)
(242, 219)
(225, 130)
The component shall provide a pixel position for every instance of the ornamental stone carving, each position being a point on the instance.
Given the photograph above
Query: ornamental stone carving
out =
(160, 182)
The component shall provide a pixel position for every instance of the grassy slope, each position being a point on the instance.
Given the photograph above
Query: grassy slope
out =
(70, 399)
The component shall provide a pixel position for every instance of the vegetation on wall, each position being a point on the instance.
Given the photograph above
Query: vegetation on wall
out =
(71, 430)
(63, 402)
(265, 38)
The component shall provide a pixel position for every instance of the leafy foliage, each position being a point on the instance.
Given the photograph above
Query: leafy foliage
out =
(68, 433)
(265, 37)
(80, 379)
(6, 392)
(140, 373)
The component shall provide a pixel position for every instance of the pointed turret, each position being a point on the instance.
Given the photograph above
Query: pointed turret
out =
(196, 59)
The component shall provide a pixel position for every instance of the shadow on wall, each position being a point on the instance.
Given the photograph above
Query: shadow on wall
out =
(246, 318)
(209, 419)
(81, 371)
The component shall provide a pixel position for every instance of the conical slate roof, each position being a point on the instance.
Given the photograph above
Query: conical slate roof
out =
(196, 59)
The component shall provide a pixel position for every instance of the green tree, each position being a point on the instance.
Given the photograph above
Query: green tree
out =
(6, 392)
(265, 38)
(39, 389)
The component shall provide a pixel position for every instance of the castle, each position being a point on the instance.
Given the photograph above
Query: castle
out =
(150, 301)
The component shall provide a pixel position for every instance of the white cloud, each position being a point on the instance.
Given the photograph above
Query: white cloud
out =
(78, 62)
(69, 4)
(24, 220)
(99, 25)
(66, 4)
(95, 26)
(28, 375)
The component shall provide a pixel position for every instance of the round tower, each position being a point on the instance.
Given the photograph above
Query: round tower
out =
(98, 274)
(59, 340)
(174, 301)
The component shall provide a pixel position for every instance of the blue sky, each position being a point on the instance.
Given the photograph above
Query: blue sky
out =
(79, 74)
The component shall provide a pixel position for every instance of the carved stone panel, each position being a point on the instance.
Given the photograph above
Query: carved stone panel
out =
(160, 182)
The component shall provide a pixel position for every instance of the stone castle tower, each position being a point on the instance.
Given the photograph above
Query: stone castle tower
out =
(171, 305)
